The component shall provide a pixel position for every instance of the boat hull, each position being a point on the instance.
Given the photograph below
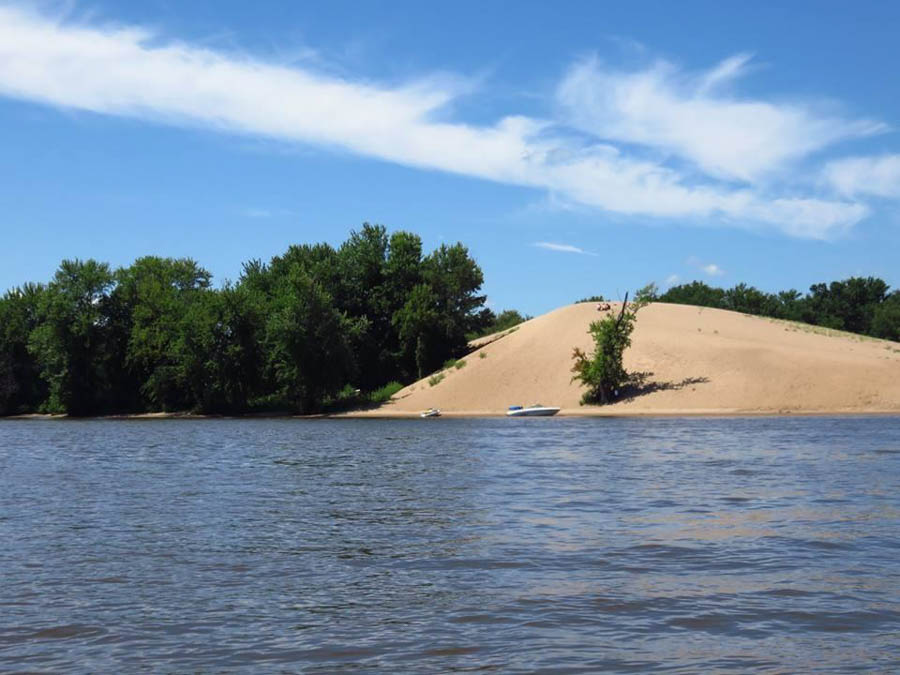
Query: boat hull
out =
(543, 411)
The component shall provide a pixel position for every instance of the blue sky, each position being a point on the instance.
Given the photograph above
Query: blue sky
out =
(577, 148)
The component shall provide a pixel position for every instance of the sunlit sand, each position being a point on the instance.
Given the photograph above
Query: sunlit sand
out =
(691, 360)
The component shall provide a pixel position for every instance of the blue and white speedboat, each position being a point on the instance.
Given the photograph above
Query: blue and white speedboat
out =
(536, 410)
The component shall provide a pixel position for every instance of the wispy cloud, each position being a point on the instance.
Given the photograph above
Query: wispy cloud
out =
(877, 176)
(693, 116)
(131, 72)
(671, 280)
(563, 248)
(266, 213)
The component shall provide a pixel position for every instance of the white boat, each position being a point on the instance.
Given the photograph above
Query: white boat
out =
(536, 410)
(431, 412)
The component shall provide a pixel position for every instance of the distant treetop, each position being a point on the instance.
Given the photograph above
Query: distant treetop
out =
(857, 305)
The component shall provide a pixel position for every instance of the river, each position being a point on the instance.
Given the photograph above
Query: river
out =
(512, 545)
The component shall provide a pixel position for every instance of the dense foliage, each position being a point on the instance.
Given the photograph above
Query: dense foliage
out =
(858, 305)
(603, 372)
(291, 333)
(508, 318)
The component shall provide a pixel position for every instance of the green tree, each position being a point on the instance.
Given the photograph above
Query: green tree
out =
(789, 305)
(455, 279)
(319, 261)
(256, 277)
(507, 319)
(647, 294)
(155, 336)
(21, 387)
(603, 372)
(69, 342)
(308, 342)
(362, 260)
(402, 268)
(488, 323)
(154, 296)
(371, 280)
(846, 305)
(220, 354)
(416, 324)
(694, 293)
(886, 318)
(402, 275)
(749, 300)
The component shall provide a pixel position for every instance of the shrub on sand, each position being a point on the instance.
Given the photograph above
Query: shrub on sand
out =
(603, 372)
(384, 394)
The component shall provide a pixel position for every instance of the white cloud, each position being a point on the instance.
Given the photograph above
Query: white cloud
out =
(729, 69)
(689, 115)
(877, 176)
(130, 72)
(671, 280)
(710, 269)
(564, 248)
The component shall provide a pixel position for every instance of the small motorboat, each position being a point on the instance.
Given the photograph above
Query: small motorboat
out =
(431, 412)
(536, 410)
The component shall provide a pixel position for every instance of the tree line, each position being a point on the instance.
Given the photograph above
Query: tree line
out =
(290, 334)
(858, 305)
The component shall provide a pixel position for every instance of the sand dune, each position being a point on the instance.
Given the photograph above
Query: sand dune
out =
(694, 361)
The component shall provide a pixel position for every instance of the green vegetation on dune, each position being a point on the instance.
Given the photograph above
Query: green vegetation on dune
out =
(505, 320)
(855, 305)
(383, 394)
(603, 372)
(298, 332)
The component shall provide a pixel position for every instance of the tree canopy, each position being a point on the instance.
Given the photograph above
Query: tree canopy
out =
(290, 333)
(858, 305)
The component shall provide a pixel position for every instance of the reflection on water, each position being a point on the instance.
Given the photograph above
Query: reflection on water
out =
(557, 544)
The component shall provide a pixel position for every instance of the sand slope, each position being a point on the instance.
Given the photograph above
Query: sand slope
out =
(695, 360)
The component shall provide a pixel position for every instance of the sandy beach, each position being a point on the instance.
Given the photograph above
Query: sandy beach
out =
(692, 361)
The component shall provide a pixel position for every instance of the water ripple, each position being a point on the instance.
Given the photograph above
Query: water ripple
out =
(570, 545)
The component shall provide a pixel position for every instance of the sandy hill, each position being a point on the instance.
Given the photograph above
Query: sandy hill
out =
(693, 360)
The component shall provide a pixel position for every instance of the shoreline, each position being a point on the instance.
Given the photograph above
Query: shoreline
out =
(685, 362)
(573, 413)
(472, 414)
